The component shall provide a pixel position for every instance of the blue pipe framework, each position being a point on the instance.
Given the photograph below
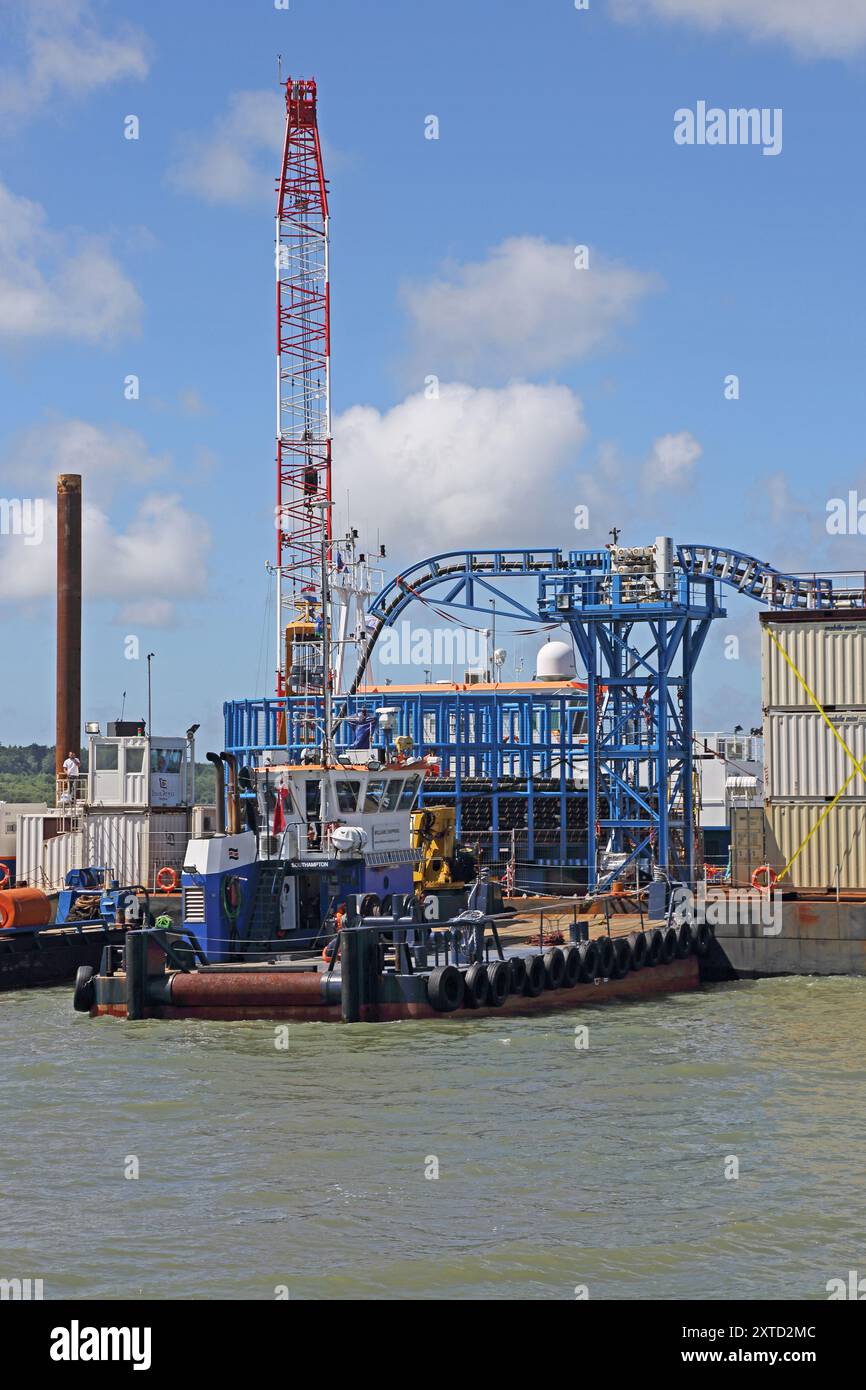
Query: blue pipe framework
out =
(635, 739)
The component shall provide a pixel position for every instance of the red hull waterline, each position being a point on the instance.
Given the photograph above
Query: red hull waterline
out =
(225, 997)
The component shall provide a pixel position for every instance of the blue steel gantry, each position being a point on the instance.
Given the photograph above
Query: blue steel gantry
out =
(639, 617)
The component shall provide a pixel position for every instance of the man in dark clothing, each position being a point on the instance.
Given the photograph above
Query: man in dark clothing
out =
(364, 722)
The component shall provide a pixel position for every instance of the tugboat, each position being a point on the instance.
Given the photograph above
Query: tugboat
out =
(321, 908)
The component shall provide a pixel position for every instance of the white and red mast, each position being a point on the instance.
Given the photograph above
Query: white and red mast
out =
(303, 372)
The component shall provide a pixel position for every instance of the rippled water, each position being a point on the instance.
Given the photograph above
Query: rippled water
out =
(558, 1167)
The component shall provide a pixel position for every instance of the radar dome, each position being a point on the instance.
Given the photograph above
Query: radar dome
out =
(555, 662)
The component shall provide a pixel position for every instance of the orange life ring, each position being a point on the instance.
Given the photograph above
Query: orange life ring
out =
(166, 879)
(5, 876)
(772, 877)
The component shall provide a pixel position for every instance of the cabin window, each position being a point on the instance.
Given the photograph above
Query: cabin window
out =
(409, 791)
(107, 757)
(165, 760)
(347, 795)
(373, 799)
(393, 787)
(135, 759)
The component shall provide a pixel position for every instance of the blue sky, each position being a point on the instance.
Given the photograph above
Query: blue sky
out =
(450, 257)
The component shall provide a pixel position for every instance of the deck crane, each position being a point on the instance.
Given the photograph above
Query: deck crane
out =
(303, 509)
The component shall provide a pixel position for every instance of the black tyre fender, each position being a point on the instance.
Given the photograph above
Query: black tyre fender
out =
(571, 974)
(606, 958)
(669, 945)
(637, 942)
(621, 957)
(702, 938)
(653, 946)
(684, 940)
(445, 989)
(84, 992)
(588, 952)
(517, 966)
(475, 986)
(533, 983)
(554, 968)
(498, 982)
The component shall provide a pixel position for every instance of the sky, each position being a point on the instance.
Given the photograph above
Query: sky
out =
(598, 379)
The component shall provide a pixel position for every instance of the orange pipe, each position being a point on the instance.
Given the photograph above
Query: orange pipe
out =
(24, 907)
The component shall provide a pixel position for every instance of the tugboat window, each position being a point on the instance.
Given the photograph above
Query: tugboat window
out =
(373, 799)
(347, 795)
(393, 787)
(408, 797)
(135, 759)
(106, 757)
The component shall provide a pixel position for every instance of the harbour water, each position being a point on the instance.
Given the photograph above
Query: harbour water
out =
(303, 1171)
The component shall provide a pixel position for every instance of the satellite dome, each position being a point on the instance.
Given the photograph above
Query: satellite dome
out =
(555, 662)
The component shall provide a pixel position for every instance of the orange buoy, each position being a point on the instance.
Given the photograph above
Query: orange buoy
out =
(5, 876)
(772, 877)
(24, 907)
(166, 879)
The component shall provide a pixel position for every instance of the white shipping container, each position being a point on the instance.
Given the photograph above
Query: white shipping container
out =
(116, 841)
(28, 849)
(838, 843)
(804, 758)
(830, 654)
(60, 853)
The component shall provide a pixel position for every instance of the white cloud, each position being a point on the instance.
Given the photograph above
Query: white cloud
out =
(51, 287)
(473, 467)
(235, 162)
(105, 457)
(822, 28)
(65, 54)
(525, 309)
(672, 460)
(159, 558)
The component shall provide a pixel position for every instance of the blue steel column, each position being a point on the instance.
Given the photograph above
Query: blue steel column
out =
(688, 754)
(662, 735)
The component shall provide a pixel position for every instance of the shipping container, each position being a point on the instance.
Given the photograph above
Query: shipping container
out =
(829, 653)
(835, 852)
(804, 758)
(61, 853)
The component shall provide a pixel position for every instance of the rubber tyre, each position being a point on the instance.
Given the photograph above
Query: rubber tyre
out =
(533, 984)
(621, 957)
(475, 986)
(669, 945)
(84, 991)
(653, 946)
(571, 974)
(499, 983)
(588, 952)
(554, 968)
(637, 942)
(445, 989)
(684, 940)
(517, 966)
(606, 959)
(702, 939)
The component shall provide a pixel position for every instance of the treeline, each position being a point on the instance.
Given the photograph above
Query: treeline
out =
(27, 774)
